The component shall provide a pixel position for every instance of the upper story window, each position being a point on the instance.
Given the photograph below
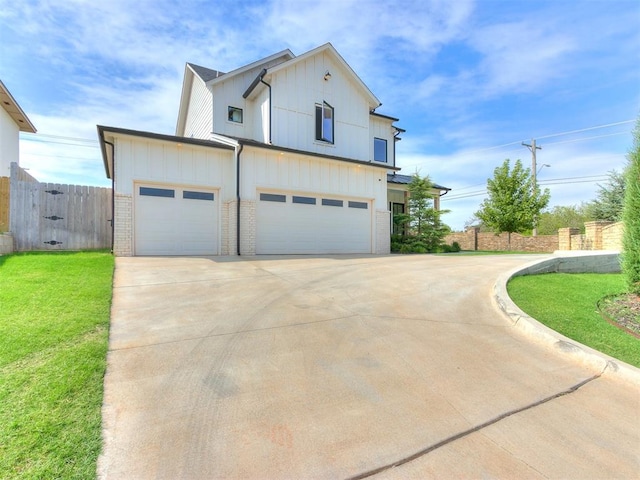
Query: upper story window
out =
(380, 150)
(235, 114)
(324, 122)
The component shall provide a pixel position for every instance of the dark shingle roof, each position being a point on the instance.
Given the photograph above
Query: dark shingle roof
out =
(406, 179)
(204, 73)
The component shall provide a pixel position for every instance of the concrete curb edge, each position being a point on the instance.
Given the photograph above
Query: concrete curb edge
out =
(573, 262)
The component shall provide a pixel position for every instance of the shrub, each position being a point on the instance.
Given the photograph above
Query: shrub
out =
(631, 218)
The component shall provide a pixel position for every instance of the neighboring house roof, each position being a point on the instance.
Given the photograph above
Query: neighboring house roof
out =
(406, 179)
(106, 156)
(204, 73)
(13, 109)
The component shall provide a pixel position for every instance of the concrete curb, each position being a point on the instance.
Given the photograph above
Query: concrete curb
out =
(567, 262)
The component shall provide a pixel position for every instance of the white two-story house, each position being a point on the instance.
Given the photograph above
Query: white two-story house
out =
(286, 155)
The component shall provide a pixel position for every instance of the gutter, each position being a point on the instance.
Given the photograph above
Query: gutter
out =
(251, 88)
(238, 153)
(113, 192)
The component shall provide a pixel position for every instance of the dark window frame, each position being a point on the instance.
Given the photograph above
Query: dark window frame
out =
(273, 197)
(230, 114)
(157, 192)
(324, 134)
(378, 141)
(195, 195)
(332, 202)
(303, 200)
(362, 205)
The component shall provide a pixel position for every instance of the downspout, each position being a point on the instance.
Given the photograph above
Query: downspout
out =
(270, 107)
(113, 192)
(238, 153)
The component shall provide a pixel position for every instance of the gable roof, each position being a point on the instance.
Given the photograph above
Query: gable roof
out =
(15, 112)
(327, 47)
(330, 49)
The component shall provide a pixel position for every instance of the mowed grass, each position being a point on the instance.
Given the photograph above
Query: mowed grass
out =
(567, 303)
(54, 320)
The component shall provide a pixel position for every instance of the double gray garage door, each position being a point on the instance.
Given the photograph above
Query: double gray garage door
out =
(173, 220)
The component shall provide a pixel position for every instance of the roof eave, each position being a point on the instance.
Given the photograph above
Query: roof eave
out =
(15, 111)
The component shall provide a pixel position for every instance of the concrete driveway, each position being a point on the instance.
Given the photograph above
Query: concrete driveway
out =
(342, 367)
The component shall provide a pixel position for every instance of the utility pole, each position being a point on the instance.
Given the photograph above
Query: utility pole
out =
(534, 171)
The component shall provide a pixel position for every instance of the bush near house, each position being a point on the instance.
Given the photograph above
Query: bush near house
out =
(424, 229)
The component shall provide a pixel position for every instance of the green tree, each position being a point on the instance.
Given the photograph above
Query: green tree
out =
(610, 199)
(514, 202)
(425, 228)
(631, 217)
(573, 216)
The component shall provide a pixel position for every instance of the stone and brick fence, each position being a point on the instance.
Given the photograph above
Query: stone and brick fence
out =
(598, 235)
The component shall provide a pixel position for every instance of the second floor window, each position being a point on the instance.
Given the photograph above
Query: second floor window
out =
(324, 122)
(380, 150)
(235, 114)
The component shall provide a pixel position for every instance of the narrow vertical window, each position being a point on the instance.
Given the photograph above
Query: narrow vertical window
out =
(235, 114)
(324, 122)
(380, 150)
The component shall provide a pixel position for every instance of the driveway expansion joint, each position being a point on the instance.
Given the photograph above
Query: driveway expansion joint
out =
(475, 429)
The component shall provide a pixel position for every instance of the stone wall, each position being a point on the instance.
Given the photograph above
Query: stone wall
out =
(473, 239)
(612, 236)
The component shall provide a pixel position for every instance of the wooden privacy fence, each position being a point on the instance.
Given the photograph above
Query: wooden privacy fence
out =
(48, 216)
(4, 204)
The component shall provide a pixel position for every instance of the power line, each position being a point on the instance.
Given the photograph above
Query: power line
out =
(586, 129)
(37, 136)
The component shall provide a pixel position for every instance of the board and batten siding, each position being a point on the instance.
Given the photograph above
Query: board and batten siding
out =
(264, 169)
(295, 92)
(198, 123)
(163, 162)
(9, 142)
(227, 91)
(381, 128)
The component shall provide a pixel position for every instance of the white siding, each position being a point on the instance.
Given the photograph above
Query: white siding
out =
(228, 92)
(381, 128)
(154, 161)
(296, 91)
(9, 142)
(270, 170)
(199, 121)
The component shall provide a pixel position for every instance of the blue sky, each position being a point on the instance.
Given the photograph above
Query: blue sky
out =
(469, 80)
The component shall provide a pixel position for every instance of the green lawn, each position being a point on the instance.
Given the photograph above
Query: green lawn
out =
(567, 303)
(54, 320)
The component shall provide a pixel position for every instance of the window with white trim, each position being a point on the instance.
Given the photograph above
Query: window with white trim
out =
(324, 122)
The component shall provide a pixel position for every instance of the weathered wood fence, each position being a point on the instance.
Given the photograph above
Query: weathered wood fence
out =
(4, 204)
(50, 216)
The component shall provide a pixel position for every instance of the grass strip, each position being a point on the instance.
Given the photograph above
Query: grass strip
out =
(54, 318)
(567, 303)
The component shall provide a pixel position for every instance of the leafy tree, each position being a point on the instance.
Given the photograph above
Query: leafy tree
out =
(514, 202)
(561, 217)
(425, 229)
(631, 217)
(610, 199)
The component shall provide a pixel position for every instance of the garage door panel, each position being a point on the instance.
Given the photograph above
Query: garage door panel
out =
(175, 221)
(328, 226)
